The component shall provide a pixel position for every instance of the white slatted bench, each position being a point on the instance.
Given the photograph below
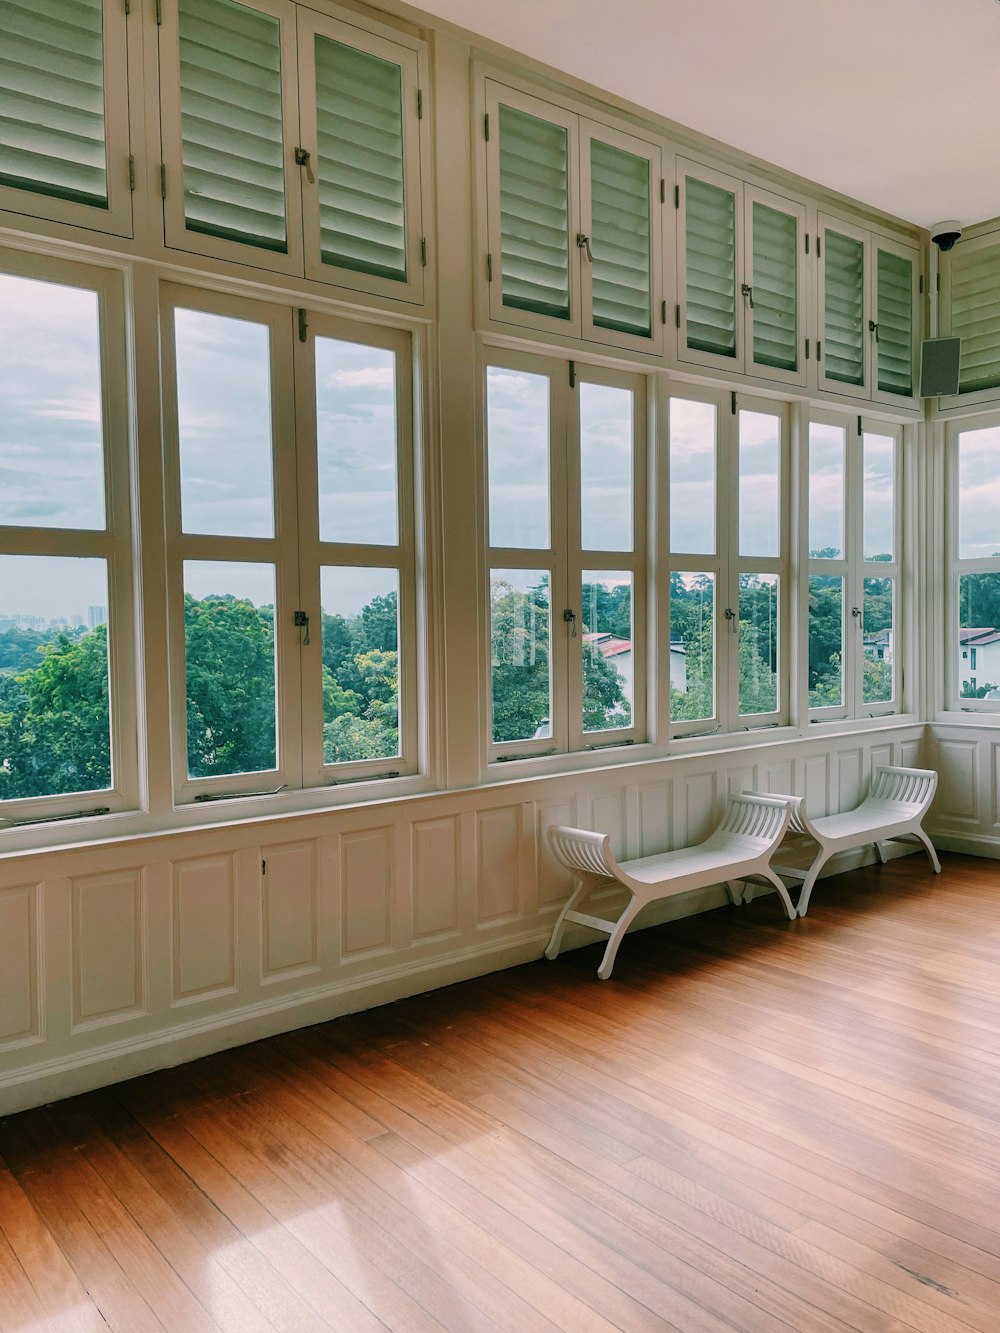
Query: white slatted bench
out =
(894, 808)
(739, 849)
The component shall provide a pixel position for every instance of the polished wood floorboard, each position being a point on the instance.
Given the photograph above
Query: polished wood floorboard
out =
(755, 1125)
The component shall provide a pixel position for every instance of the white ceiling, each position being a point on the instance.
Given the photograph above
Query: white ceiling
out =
(892, 102)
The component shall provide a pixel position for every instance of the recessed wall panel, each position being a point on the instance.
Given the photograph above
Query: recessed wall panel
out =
(956, 794)
(607, 815)
(498, 863)
(554, 880)
(107, 946)
(289, 909)
(204, 926)
(654, 818)
(434, 849)
(365, 885)
(849, 782)
(19, 964)
(699, 807)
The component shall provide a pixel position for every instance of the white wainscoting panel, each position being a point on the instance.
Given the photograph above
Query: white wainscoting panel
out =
(958, 762)
(366, 890)
(108, 947)
(498, 863)
(20, 965)
(204, 927)
(553, 879)
(289, 934)
(436, 859)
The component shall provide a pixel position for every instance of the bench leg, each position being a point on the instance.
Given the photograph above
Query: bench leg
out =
(810, 880)
(735, 888)
(622, 924)
(783, 893)
(584, 884)
(929, 849)
(879, 854)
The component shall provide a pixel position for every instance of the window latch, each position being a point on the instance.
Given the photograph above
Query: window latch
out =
(303, 158)
(747, 291)
(873, 329)
(583, 243)
(569, 618)
(732, 618)
(302, 622)
(856, 612)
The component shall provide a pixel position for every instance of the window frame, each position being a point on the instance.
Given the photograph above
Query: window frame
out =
(976, 399)
(113, 543)
(902, 250)
(850, 230)
(957, 566)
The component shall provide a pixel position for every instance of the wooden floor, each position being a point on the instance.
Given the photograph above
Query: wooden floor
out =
(754, 1125)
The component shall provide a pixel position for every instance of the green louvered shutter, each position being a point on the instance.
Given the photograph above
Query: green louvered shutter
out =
(231, 130)
(534, 213)
(775, 288)
(844, 308)
(975, 315)
(621, 234)
(894, 315)
(710, 250)
(52, 131)
(362, 188)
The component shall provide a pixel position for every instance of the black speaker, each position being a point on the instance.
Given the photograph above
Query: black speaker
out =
(939, 367)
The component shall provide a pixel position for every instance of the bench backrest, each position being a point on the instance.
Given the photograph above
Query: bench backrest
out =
(910, 787)
(581, 850)
(756, 822)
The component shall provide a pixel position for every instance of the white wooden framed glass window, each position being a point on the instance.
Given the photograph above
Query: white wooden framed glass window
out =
(354, 387)
(973, 603)
(64, 151)
(573, 223)
(229, 124)
(564, 487)
(970, 310)
(728, 562)
(853, 569)
(67, 640)
(775, 305)
(360, 106)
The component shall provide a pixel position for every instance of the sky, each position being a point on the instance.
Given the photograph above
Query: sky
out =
(979, 492)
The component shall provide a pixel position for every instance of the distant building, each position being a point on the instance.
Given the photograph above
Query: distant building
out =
(978, 657)
(96, 615)
(619, 653)
(878, 646)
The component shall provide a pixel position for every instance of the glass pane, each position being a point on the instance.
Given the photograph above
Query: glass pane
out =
(692, 646)
(879, 646)
(826, 491)
(230, 671)
(359, 133)
(758, 643)
(879, 496)
(534, 214)
(360, 664)
(979, 637)
(605, 468)
(356, 443)
(760, 484)
(224, 425)
(517, 430)
(608, 661)
(519, 638)
(55, 726)
(979, 493)
(231, 132)
(826, 641)
(692, 477)
(51, 435)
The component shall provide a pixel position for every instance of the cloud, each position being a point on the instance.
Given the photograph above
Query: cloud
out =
(364, 377)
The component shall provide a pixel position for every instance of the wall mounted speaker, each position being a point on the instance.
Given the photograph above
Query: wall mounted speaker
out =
(939, 367)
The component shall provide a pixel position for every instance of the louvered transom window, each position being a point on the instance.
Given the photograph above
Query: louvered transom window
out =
(52, 129)
(621, 239)
(774, 288)
(231, 124)
(975, 315)
(894, 317)
(534, 213)
(710, 241)
(359, 117)
(844, 347)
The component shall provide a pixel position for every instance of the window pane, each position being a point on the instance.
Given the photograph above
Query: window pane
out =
(51, 435)
(979, 636)
(55, 728)
(826, 641)
(605, 468)
(826, 491)
(692, 646)
(760, 484)
(758, 643)
(517, 429)
(230, 79)
(692, 477)
(229, 656)
(360, 664)
(356, 442)
(534, 214)
(224, 425)
(519, 636)
(608, 660)
(979, 493)
(879, 646)
(879, 496)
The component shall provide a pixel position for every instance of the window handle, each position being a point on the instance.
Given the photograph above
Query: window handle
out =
(303, 158)
(569, 617)
(747, 291)
(732, 617)
(302, 622)
(583, 243)
(873, 328)
(857, 613)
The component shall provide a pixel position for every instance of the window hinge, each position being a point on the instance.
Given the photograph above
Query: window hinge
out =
(819, 349)
(486, 127)
(663, 312)
(677, 196)
(423, 251)
(807, 349)
(921, 284)
(663, 190)
(303, 158)
(303, 326)
(489, 268)
(939, 282)
(301, 621)
(859, 424)
(818, 245)
(732, 402)
(131, 172)
(807, 242)
(420, 104)
(263, 865)
(128, 8)
(677, 316)
(163, 181)
(159, 12)
(572, 374)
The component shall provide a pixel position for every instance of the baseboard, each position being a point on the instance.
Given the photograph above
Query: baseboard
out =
(976, 844)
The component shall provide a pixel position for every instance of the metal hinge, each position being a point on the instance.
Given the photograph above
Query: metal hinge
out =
(921, 284)
(159, 12)
(677, 316)
(131, 172)
(263, 865)
(663, 190)
(163, 181)
(420, 104)
(807, 242)
(423, 251)
(939, 282)
(819, 349)
(303, 326)
(486, 127)
(732, 402)
(572, 374)
(859, 423)
(807, 349)
(663, 312)
(818, 246)
(489, 268)
(677, 196)
(128, 8)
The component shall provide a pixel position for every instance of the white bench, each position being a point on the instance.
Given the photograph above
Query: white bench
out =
(739, 849)
(897, 801)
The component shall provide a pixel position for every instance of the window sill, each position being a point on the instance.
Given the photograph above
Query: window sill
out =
(979, 718)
